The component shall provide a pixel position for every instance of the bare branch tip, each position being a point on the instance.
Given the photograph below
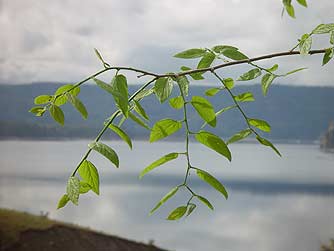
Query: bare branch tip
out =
(141, 75)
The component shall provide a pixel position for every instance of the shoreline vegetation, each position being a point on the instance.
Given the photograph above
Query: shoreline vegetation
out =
(327, 141)
(22, 231)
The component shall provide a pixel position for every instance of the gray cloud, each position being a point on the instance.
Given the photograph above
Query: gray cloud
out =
(54, 40)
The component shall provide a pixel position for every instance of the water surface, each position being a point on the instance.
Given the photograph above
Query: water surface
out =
(275, 203)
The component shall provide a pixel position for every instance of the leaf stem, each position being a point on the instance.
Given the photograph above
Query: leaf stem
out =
(191, 197)
(191, 191)
(185, 120)
(235, 102)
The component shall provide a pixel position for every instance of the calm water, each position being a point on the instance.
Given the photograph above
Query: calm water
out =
(275, 203)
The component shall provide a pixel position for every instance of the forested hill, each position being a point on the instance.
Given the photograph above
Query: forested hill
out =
(295, 113)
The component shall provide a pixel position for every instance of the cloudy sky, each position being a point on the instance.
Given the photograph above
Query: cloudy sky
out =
(54, 40)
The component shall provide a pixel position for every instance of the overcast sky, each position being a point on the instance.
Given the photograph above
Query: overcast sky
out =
(53, 40)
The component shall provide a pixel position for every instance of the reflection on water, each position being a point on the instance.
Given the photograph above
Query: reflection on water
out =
(299, 218)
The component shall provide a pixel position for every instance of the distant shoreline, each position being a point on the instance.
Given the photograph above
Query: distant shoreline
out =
(298, 115)
(146, 139)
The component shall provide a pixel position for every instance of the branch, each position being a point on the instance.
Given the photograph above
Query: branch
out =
(235, 102)
(274, 55)
(183, 73)
(156, 76)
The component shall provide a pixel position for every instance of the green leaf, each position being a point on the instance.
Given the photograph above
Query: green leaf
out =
(191, 208)
(120, 99)
(177, 102)
(144, 93)
(159, 162)
(212, 181)
(163, 88)
(140, 110)
(220, 112)
(328, 56)
(57, 114)
(164, 128)
(103, 85)
(305, 44)
(239, 136)
(205, 201)
(228, 83)
(99, 56)
(266, 142)
(63, 201)
(273, 68)
(191, 53)
(244, 97)
(331, 38)
(294, 71)
(61, 100)
(164, 199)
(38, 110)
(42, 99)
(67, 88)
(290, 10)
(214, 142)
(138, 121)
(177, 213)
(73, 189)
(266, 81)
(323, 28)
(120, 93)
(206, 60)
(225, 109)
(234, 54)
(77, 105)
(259, 124)
(204, 109)
(194, 76)
(183, 82)
(122, 120)
(119, 83)
(302, 2)
(89, 173)
(221, 48)
(252, 74)
(106, 151)
(212, 91)
(84, 187)
(121, 133)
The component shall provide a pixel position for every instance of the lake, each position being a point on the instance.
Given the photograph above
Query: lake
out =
(274, 203)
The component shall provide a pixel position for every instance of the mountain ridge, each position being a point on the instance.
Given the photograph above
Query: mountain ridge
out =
(294, 112)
